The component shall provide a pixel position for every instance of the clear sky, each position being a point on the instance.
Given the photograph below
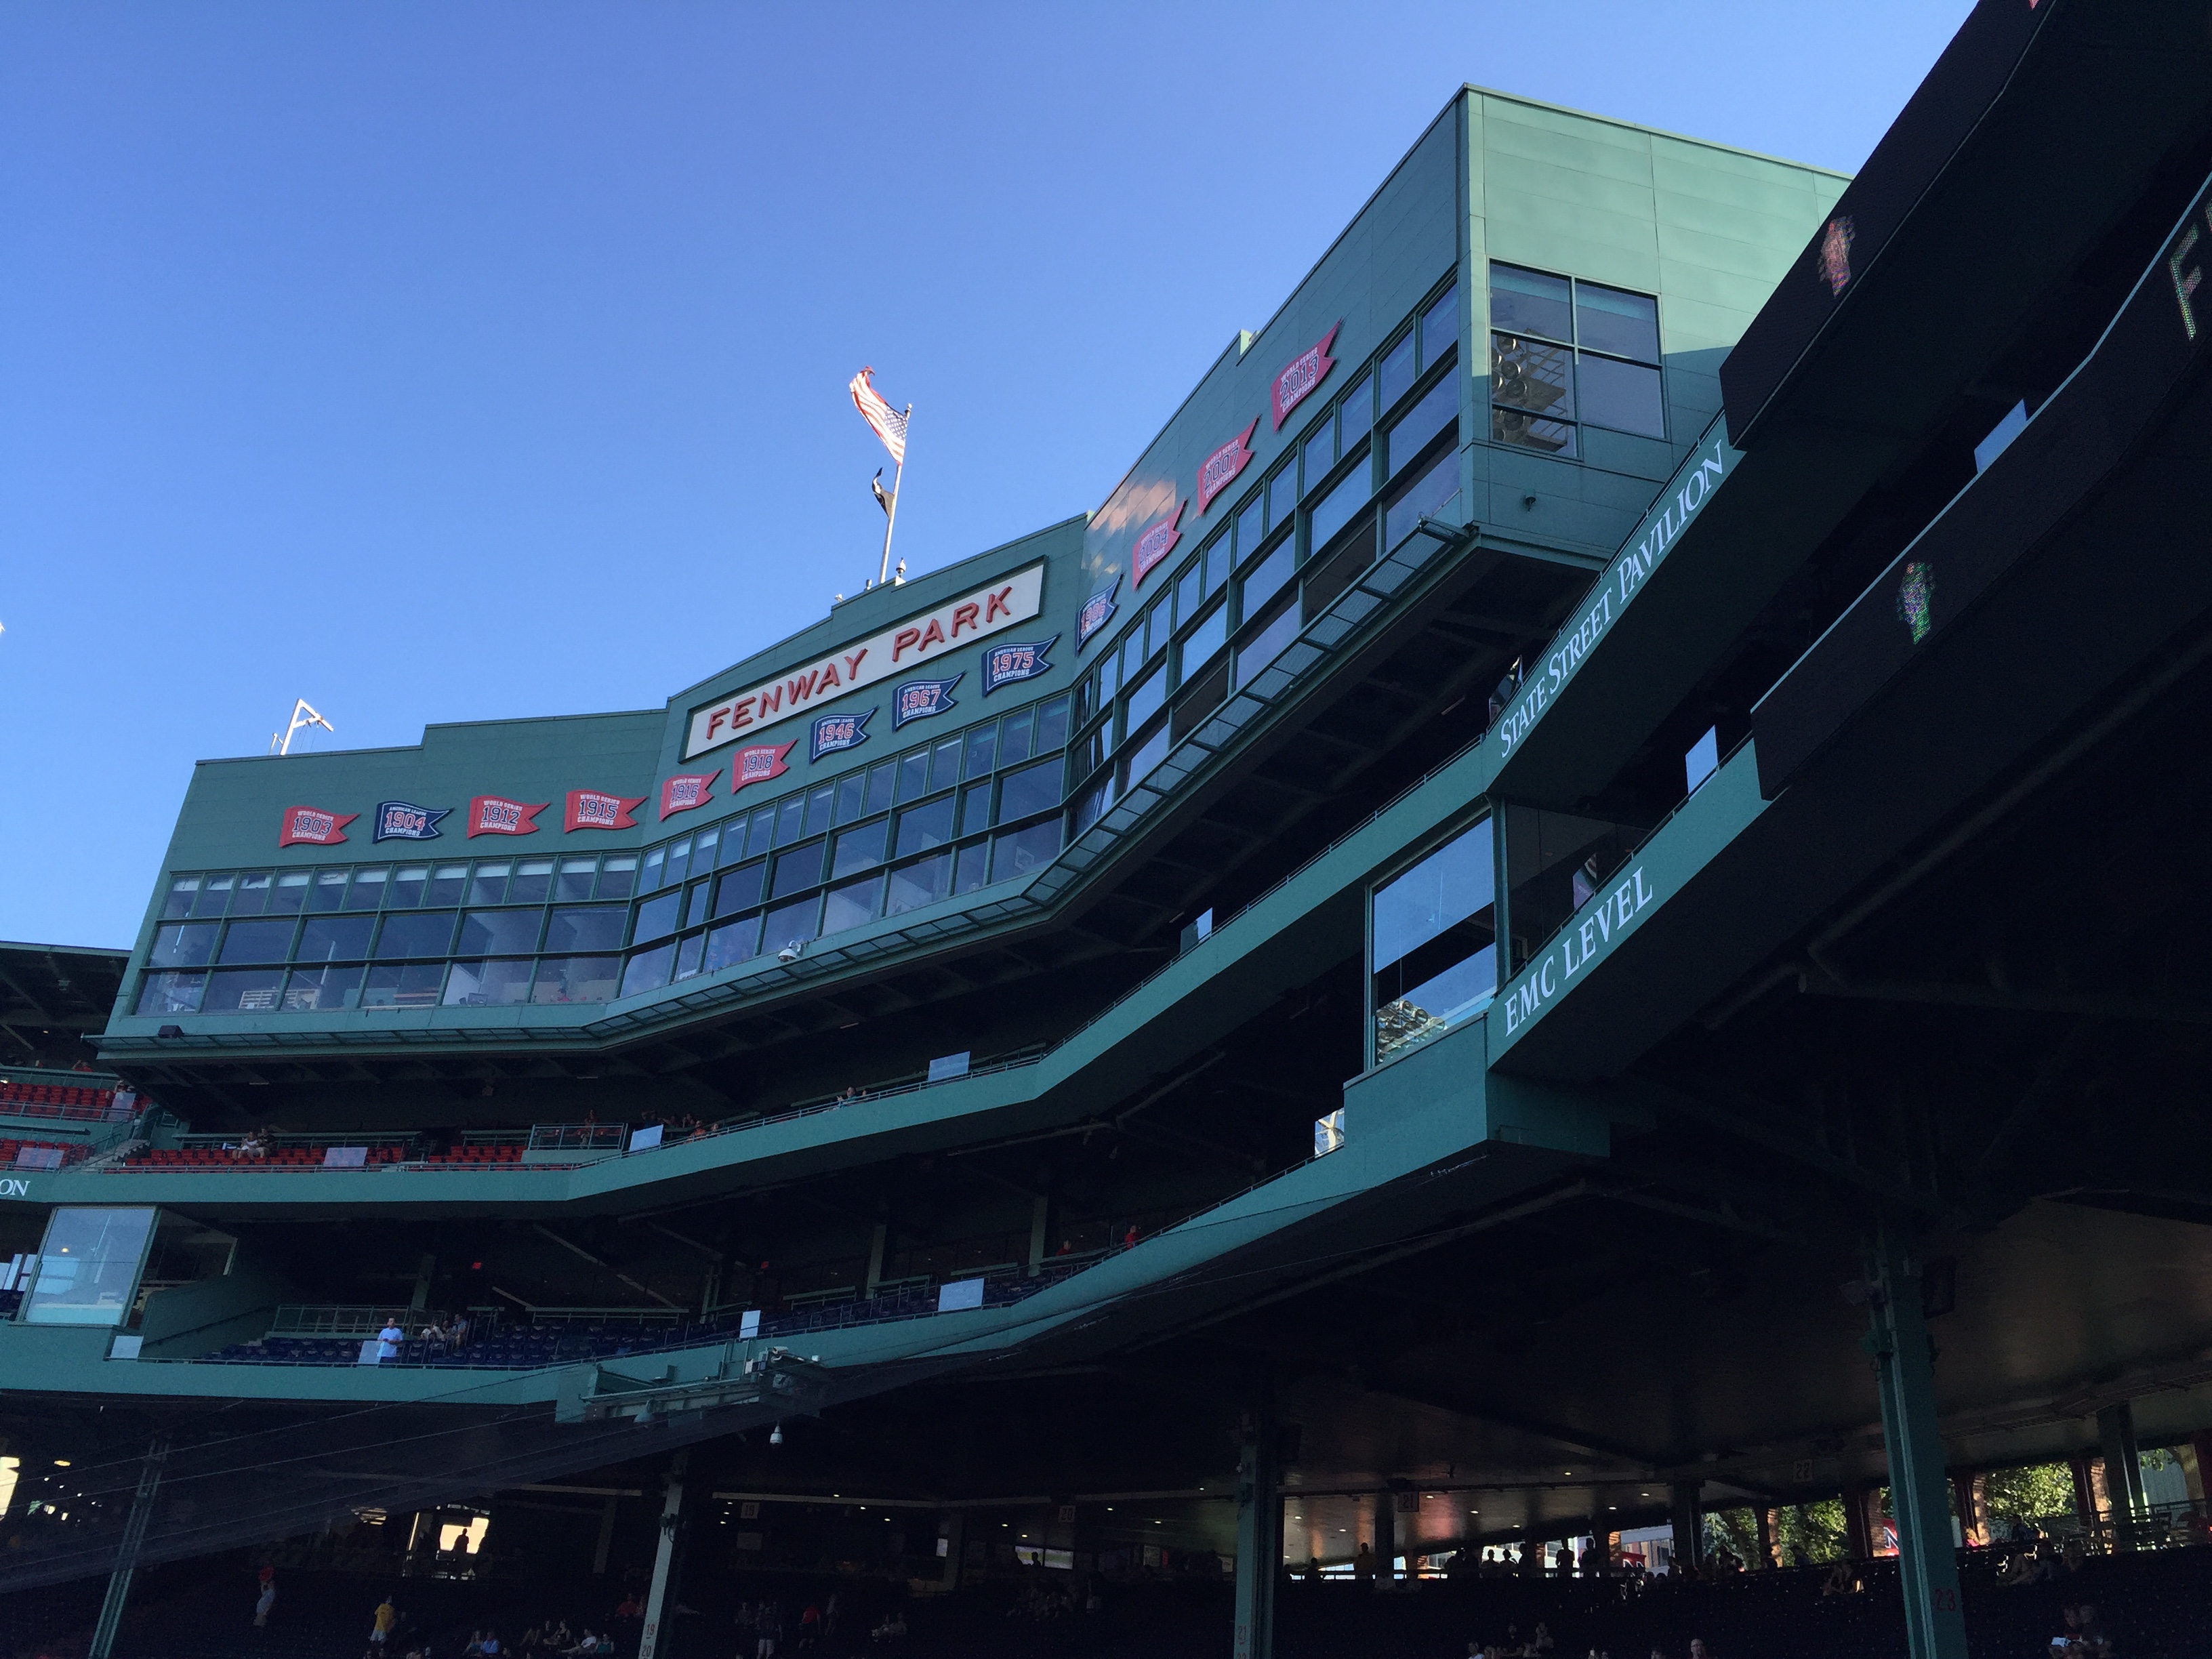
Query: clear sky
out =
(465, 361)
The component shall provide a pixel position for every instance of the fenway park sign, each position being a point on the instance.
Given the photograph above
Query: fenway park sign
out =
(1002, 604)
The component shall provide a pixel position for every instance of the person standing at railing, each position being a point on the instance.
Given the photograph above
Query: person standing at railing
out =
(388, 1341)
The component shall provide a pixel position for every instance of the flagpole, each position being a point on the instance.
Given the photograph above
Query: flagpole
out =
(890, 518)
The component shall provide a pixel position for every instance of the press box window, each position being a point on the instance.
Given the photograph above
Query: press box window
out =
(1565, 354)
(1432, 943)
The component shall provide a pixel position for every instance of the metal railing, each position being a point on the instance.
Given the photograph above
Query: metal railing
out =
(579, 1137)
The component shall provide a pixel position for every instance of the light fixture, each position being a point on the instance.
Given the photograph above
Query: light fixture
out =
(61, 1463)
(775, 1435)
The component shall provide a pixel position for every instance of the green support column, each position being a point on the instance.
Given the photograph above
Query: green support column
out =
(127, 1552)
(1259, 1537)
(658, 1605)
(1919, 1491)
(1689, 1533)
(2124, 1483)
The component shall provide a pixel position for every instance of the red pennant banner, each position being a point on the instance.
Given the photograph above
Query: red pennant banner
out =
(311, 826)
(593, 809)
(1219, 471)
(494, 815)
(757, 763)
(687, 790)
(1156, 544)
(1307, 370)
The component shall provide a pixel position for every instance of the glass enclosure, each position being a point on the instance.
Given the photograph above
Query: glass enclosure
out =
(1432, 943)
(88, 1266)
(1555, 863)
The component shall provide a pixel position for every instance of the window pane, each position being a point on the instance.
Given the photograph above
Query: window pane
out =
(1320, 453)
(1145, 699)
(575, 979)
(182, 945)
(419, 934)
(975, 808)
(243, 991)
(1190, 591)
(944, 765)
(1440, 326)
(182, 891)
(1394, 376)
(852, 904)
(490, 885)
(1020, 850)
(969, 868)
(1032, 789)
(921, 828)
(1356, 412)
(1529, 374)
(1146, 752)
(1438, 409)
(407, 885)
(368, 890)
(732, 943)
(923, 881)
(617, 876)
(533, 884)
(1612, 319)
(914, 774)
(1133, 653)
(1251, 525)
(1282, 496)
(1208, 637)
(1432, 948)
(1518, 427)
(789, 924)
(574, 882)
(448, 883)
(982, 750)
(508, 932)
(695, 911)
(801, 867)
(790, 819)
(702, 848)
(1014, 737)
(1217, 564)
(251, 894)
(741, 888)
(487, 984)
(1427, 493)
(1268, 644)
(598, 927)
(648, 970)
(329, 890)
(689, 952)
(656, 917)
(861, 849)
(334, 939)
(170, 993)
(1266, 579)
(214, 894)
(1528, 302)
(1337, 508)
(289, 894)
(852, 792)
(760, 837)
(88, 1266)
(680, 860)
(1623, 396)
(883, 781)
(818, 805)
(319, 990)
(411, 984)
(257, 941)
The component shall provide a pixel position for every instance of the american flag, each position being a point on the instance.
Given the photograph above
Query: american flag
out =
(889, 425)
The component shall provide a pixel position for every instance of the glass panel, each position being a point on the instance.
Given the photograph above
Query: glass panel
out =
(257, 941)
(533, 884)
(732, 943)
(975, 808)
(656, 917)
(969, 868)
(982, 749)
(741, 888)
(448, 883)
(1251, 525)
(407, 885)
(702, 848)
(290, 893)
(1425, 495)
(648, 876)
(921, 828)
(1282, 496)
(1529, 374)
(852, 794)
(1217, 563)
(861, 849)
(182, 891)
(1020, 850)
(319, 990)
(422, 933)
(508, 932)
(490, 886)
(1190, 590)
(576, 979)
(1623, 396)
(1432, 945)
(695, 911)
(945, 763)
(617, 876)
(1145, 699)
(790, 819)
(1337, 508)
(914, 776)
(182, 945)
(1146, 752)
(488, 985)
(923, 881)
(368, 890)
(761, 836)
(688, 951)
(1133, 653)
(1440, 326)
(1438, 409)
(680, 860)
(1514, 426)
(852, 904)
(1109, 679)
(243, 991)
(1615, 320)
(413, 985)
(1032, 789)
(88, 1266)
(1265, 579)
(1268, 644)
(819, 803)
(214, 895)
(334, 939)
(1356, 412)
(1208, 637)
(251, 893)
(789, 925)
(800, 867)
(1014, 737)
(596, 927)
(574, 882)
(882, 787)
(170, 993)
(1394, 375)
(647, 970)
(1528, 301)
(329, 890)
(1320, 453)
(1555, 863)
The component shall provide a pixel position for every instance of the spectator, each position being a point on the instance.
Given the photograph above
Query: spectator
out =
(1129, 1237)
(489, 1646)
(385, 1617)
(388, 1341)
(809, 1628)
(267, 1598)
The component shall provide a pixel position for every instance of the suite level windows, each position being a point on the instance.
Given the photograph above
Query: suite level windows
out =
(1432, 943)
(1565, 354)
(1344, 489)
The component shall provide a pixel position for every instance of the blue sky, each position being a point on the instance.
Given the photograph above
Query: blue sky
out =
(460, 361)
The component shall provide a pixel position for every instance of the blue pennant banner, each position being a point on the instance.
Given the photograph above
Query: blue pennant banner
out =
(918, 699)
(1004, 663)
(399, 820)
(835, 732)
(1098, 611)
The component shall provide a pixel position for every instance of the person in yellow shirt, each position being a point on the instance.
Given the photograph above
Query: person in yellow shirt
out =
(387, 1616)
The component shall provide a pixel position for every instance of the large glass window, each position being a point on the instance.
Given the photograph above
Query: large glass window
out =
(789, 926)
(575, 979)
(1032, 789)
(88, 1266)
(656, 917)
(1336, 509)
(243, 991)
(417, 933)
(862, 849)
(311, 990)
(799, 868)
(1437, 411)
(732, 943)
(1427, 494)
(334, 939)
(182, 945)
(740, 889)
(923, 881)
(1565, 354)
(1555, 863)
(488, 984)
(852, 903)
(1268, 643)
(1017, 852)
(510, 932)
(162, 993)
(585, 928)
(1432, 943)
(411, 985)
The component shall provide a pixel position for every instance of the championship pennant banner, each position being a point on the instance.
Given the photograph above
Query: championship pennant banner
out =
(311, 826)
(494, 815)
(1154, 546)
(594, 809)
(833, 733)
(1219, 471)
(1307, 371)
(1098, 611)
(1004, 665)
(399, 820)
(918, 699)
(687, 790)
(1005, 602)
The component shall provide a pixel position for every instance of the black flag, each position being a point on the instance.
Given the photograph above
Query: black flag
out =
(884, 497)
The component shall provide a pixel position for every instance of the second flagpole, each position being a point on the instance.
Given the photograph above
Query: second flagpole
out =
(890, 518)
